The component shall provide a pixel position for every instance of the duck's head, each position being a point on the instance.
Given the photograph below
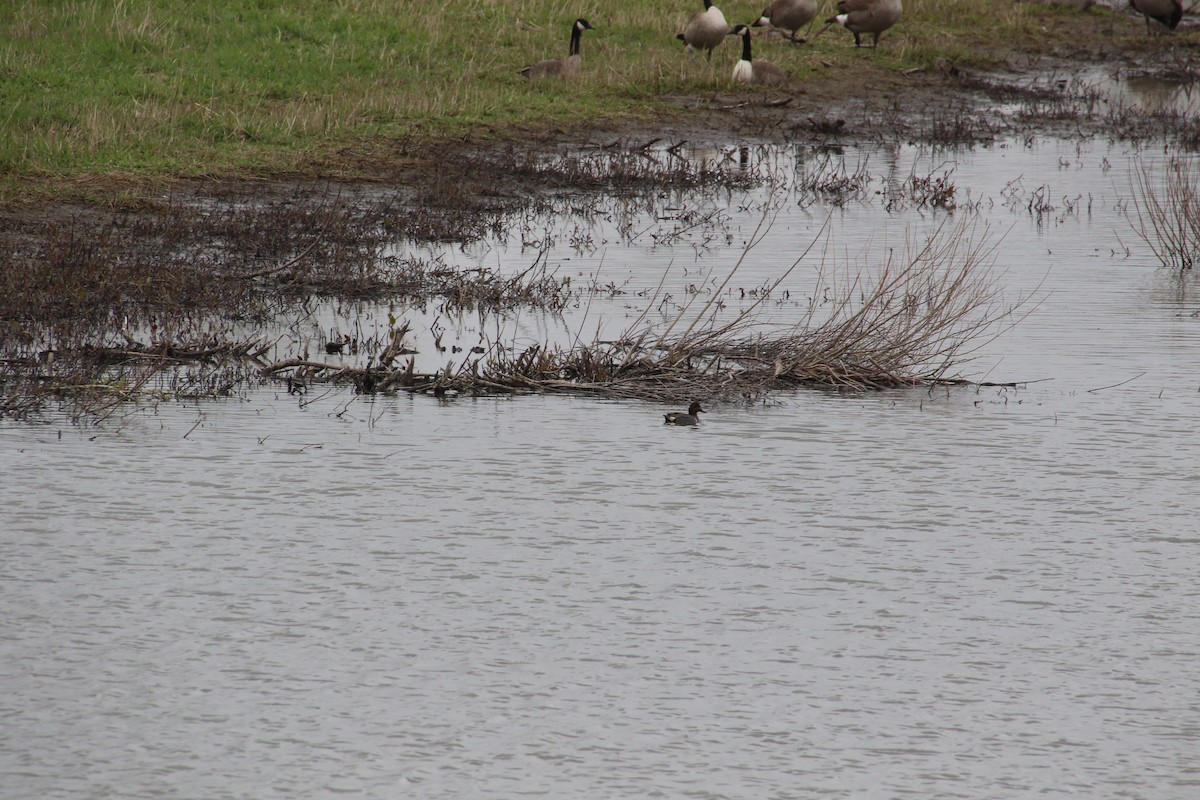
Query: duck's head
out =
(695, 409)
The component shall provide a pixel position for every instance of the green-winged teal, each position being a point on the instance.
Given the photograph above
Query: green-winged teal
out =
(692, 416)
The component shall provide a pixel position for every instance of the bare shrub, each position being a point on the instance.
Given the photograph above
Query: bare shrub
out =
(912, 320)
(1167, 209)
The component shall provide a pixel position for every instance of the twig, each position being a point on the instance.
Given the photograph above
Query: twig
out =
(1115, 385)
(281, 268)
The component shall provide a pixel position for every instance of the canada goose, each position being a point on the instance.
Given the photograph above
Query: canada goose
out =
(788, 15)
(705, 30)
(747, 70)
(555, 67)
(692, 417)
(1168, 12)
(866, 16)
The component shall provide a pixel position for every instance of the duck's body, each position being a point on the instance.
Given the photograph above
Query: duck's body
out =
(692, 417)
(705, 30)
(1168, 12)
(867, 16)
(561, 67)
(747, 70)
(788, 15)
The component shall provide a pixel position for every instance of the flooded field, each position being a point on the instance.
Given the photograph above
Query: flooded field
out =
(977, 591)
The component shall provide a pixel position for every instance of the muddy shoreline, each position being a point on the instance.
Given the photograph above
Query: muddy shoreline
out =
(1030, 92)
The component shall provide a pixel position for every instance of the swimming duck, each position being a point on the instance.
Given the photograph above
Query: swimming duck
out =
(788, 15)
(556, 67)
(1168, 12)
(690, 418)
(747, 70)
(705, 30)
(866, 16)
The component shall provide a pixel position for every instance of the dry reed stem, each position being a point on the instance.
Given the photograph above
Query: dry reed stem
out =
(911, 322)
(1167, 206)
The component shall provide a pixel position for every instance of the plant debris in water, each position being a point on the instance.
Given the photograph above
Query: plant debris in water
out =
(96, 312)
(910, 322)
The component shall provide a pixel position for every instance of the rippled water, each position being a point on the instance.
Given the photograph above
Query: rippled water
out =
(975, 593)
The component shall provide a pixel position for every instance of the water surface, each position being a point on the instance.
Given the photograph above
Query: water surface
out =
(978, 593)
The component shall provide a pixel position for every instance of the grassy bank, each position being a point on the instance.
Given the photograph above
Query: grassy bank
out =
(151, 88)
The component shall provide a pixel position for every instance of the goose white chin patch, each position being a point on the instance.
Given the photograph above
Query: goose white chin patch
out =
(841, 18)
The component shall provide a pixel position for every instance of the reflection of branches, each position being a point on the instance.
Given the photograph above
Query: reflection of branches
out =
(1168, 212)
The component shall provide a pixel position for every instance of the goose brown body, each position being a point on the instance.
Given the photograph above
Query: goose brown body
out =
(867, 16)
(788, 15)
(561, 67)
(749, 70)
(705, 30)
(1168, 12)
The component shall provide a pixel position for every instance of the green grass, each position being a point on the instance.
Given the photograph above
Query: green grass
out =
(153, 88)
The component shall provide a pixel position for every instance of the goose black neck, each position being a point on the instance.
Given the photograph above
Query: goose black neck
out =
(707, 4)
(576, 34)
(746, 45)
